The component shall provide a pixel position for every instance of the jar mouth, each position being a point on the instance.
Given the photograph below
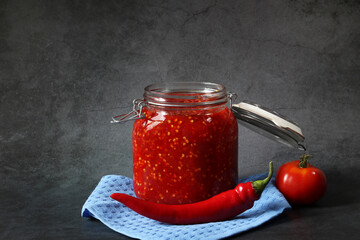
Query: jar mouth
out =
(185, 94)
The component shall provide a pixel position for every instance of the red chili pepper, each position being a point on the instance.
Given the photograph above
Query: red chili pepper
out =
(223, 206)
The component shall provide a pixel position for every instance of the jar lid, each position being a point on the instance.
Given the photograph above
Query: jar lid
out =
(269, 124)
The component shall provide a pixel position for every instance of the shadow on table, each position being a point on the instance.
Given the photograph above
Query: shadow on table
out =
(342, 188)
(94, 229)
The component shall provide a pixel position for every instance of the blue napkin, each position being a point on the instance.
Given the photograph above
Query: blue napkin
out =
(121, 219)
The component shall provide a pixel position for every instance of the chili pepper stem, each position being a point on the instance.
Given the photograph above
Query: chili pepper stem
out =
(259, 185)
(304, 160)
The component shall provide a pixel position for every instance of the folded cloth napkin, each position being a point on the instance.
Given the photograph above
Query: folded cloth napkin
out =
(121, 219)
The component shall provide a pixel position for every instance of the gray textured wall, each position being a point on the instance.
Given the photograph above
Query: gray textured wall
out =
(67, 67)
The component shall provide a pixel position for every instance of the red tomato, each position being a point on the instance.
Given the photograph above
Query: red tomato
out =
(301, 185)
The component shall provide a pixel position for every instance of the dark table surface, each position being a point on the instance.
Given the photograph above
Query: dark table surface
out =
(55, 214)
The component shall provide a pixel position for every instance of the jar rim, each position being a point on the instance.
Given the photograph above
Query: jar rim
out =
(185, 94)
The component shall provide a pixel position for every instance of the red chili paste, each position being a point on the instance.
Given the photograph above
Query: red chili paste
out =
(182, 156)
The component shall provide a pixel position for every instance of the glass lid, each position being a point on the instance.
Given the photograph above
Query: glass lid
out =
(269, 124)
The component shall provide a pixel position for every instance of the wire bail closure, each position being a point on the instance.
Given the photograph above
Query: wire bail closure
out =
(135, 114)
(231, 96)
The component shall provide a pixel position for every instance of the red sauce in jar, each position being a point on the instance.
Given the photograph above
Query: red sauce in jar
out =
(184, 156)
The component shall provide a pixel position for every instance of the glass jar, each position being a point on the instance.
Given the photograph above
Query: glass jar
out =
(185, 140)
(185, 149)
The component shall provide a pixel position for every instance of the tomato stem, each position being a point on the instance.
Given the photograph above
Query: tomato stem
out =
(304, 160)
(259, 185)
